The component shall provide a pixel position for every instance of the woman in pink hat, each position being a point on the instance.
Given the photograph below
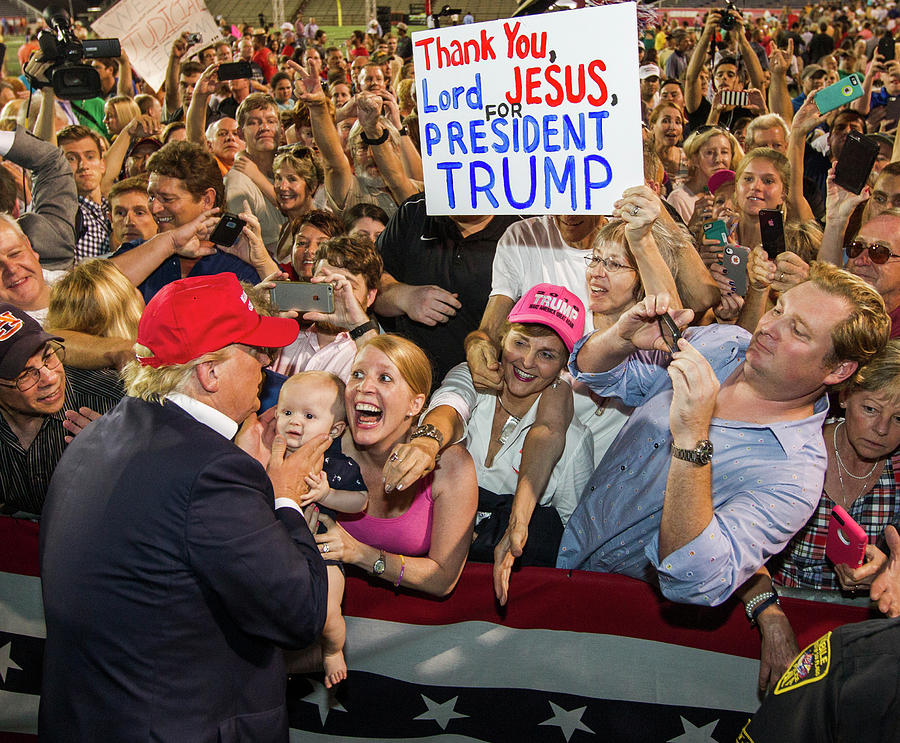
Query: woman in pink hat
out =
(517, 484)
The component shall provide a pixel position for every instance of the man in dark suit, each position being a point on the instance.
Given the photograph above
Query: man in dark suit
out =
(174, 569)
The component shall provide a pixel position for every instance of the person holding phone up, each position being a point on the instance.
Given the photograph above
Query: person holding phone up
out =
(696, 509)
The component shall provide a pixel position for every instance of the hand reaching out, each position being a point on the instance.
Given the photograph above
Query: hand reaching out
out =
(780, 60)
(318, 488)
(510, 546)
(430, 304)
(368, 110)
(190, 240)
(307, 87)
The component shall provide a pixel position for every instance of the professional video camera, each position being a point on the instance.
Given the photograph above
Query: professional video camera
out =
(70, 78)
(729, 16)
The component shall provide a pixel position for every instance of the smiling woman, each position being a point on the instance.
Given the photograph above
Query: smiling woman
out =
(540, 332)
(418, 535)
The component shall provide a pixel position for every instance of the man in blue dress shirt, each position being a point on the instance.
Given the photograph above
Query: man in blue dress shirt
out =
(185, 184)
(723, 459)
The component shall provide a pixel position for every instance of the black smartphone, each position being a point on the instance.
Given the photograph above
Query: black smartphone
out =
(303, 296)
(669, 331)
(886, 47)
(735, 260)
(771, 228)
(228, 230)
(855, 163)
(234, 71)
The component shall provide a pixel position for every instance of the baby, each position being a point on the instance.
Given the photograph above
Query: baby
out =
(312, 403)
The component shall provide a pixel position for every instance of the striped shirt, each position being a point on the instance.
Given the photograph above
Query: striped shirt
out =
(25, 473)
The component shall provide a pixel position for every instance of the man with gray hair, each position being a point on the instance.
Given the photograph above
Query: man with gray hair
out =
(174, 567)
(769, 130)
(224, 140)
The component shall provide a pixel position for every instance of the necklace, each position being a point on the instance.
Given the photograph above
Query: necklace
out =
(511, 422)
(841, 465)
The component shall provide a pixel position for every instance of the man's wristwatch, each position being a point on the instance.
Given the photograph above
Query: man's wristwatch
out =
(701, 454)
(362, 329)
(379, 565)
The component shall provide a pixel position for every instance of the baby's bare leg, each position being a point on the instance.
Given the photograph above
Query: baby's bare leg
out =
(335, 632)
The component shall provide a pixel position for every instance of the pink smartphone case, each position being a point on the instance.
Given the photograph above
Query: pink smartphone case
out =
(846, 539)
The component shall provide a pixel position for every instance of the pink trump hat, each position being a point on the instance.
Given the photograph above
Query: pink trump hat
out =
(553, 306)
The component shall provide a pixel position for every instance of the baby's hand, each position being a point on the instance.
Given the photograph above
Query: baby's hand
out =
(318, 488)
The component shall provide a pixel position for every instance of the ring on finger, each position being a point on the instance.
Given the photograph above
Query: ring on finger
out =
(394, 457)
(781, 276)
(634, 210)
(325, 547)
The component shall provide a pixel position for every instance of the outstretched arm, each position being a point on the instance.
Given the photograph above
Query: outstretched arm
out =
(386, 157)
(779, 645)
(779, 97)
(543, 446)
(693, 95)
(338, 174)
(50, 226)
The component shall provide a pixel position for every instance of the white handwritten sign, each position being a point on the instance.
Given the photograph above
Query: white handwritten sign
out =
(533, 115)
(147, 28)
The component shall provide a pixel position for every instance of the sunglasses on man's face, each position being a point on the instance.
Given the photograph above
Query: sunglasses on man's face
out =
(879, 252)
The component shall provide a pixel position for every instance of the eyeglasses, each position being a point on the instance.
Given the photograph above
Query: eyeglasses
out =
(610, 266)
(53, 358)
(879, 252)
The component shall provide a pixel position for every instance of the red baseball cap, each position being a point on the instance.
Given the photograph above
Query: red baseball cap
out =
(197, 315)
(553, 306)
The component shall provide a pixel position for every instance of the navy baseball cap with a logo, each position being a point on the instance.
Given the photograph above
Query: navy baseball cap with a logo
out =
(21, 336)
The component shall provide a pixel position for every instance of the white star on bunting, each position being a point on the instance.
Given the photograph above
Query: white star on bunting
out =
(567, 721)
(440, 713)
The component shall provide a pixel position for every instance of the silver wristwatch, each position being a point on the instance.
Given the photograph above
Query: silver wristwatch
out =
(379, 565)
(700, 454)
(426, 429)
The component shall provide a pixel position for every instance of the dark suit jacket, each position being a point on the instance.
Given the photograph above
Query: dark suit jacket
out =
(170, 585)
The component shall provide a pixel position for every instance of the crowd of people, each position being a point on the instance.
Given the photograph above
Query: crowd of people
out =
(617, 393)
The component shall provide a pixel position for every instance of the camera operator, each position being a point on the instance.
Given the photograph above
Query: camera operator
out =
(726, 71)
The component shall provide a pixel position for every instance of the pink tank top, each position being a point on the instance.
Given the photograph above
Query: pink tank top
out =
(407, 534)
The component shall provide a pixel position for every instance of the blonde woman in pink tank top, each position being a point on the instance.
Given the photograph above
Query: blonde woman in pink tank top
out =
(416, 534)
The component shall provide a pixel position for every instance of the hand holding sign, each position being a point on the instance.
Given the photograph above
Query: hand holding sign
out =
(517, 116)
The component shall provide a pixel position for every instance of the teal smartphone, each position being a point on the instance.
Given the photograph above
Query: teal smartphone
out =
(716, 230)
(843, 91)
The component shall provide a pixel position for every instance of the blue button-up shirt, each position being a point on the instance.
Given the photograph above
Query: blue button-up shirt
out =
(766, 481)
